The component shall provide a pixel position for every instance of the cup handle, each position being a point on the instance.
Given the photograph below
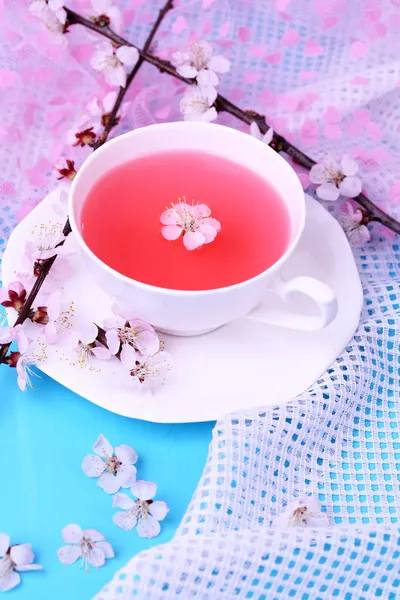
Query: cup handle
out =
(321, 294)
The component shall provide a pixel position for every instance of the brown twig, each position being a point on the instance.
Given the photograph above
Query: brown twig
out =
(222, 104)
(46, 266)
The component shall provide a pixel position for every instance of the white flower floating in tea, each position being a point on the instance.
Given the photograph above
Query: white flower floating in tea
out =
(193, 220)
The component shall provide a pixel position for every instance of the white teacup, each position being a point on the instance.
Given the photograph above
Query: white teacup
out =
(196, 312)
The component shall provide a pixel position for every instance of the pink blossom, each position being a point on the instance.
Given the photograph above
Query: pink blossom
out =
(124, 328)
(86, 346)
(304, 511)
(13, 296)
(107, 15)
(14, 334)
(82, 133)
(194, 221)
(146, 373)
(58, 319)
(28, 355)
(111, 61)
(336, 178)
(351, 220)
(144, 513)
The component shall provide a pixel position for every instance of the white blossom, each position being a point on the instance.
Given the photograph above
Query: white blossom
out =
(111, 61)
(52, 13)
(195, 106)
(87, 544)
(146, 373)
(12, 559)
(304, 511)
(105, 14)
(351, 221)
(266, 138)
(143, 513)
(198, 62)
(114, 468)
(336, 178)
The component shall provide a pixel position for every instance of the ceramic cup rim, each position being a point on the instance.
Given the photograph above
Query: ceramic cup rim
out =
(165, 127)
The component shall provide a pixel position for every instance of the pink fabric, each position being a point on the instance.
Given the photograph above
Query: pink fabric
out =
(326, 74)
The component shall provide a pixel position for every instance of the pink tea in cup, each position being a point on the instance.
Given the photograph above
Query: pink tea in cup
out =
(120, 220)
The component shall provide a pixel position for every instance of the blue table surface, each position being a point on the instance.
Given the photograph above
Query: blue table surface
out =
(44, 434)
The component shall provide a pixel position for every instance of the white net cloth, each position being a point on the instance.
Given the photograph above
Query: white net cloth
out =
(340, 440)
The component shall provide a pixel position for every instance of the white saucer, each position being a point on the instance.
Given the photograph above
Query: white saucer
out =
(240, 366)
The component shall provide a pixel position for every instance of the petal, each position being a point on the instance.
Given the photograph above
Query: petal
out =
(255, 130)
(201, 47)
(187, 71)
(171, 232)
(101, 6)
(159, 510)
(54, 305)
(22, 554)
(92, 465)
(88, 332)
(349, 166)
(109, 483)
(93, 534)
(350, 187)
(312, 503)
(115, 17)
(7, 334)
(210, 93)
(128, 356)
(96, 557)
(102, 447)
(219, 64)
(148, 527)
(50, 332)
(126, 454)
(72, 534)
(109, 101)
(267, 137)
(69, 554)
(113, 341)
(31, 567)
(126, 475)
(318, 173)
(107, 549)
(213, 222)
(148, 343)
(200, 211)
(144, 490)
(328, 191)
(114, 322)
(116, 76)
(9, 581)
(171, 217)
(210, 115)
(128, 55)
(123, 501)
(4, 543)
(206, 79)
(209, 233)
(125, 520)
(281, 521)
(94, 108)
(193, 240)
(101, 353)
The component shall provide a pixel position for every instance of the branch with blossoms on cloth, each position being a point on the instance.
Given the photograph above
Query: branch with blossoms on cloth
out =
(125, 337)
(200, 70)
